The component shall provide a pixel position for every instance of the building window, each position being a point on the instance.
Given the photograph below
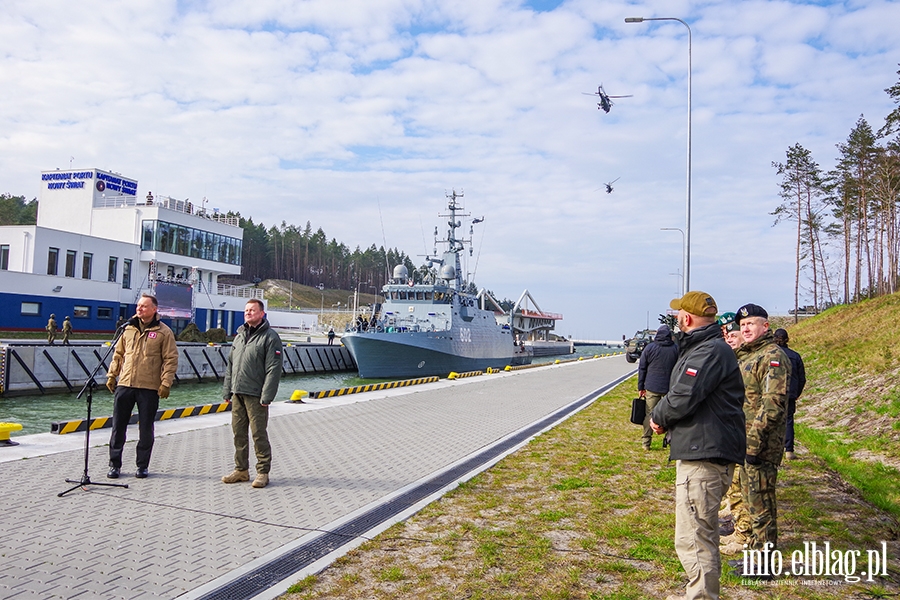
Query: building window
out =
(126, 273)
(71, 255)
(4, 257)
(81, 312)
(87, 262)
(52, 261)
(104, 312)
(113, 269)
(31, 308)
(187, 241)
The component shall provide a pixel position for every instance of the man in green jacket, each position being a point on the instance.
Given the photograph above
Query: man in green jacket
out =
(251, 382)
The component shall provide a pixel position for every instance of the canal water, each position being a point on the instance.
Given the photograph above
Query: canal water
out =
(36, 413)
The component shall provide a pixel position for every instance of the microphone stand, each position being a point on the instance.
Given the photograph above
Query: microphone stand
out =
(89, 387)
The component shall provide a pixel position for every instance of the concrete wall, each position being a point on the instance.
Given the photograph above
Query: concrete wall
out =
(196, 362)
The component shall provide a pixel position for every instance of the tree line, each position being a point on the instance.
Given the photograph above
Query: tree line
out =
(848, 234)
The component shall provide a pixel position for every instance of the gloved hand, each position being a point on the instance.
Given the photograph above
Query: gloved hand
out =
(227, 398)
(752, 459)
(111, 384)
(163, 391)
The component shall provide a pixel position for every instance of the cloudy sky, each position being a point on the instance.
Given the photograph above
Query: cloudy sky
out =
(359, 115)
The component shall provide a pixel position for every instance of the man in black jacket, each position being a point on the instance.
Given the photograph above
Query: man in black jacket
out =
(798, 382)
(654, 371)
(703, 410)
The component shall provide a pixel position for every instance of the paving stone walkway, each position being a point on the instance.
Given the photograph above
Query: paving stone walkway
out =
(181, 528)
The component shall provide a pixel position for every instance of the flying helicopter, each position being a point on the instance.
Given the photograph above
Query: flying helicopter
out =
(605, 103)
(609, 187)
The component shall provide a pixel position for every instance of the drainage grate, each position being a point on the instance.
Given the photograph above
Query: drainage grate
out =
(265, 576)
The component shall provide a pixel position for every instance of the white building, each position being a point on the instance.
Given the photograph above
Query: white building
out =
(99, 244)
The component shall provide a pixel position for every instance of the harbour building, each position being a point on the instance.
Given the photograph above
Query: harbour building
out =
(99, 243)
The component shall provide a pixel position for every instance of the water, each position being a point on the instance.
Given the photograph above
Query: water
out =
(36, 413)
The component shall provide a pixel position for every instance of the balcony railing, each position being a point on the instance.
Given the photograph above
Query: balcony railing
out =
(240, 291)
(183, 206)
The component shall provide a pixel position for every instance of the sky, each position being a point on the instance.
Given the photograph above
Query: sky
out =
(358, 116)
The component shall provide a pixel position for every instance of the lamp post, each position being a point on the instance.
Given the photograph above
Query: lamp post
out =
(356, 295)
(684, 289)
(321, 287)
(687, 230)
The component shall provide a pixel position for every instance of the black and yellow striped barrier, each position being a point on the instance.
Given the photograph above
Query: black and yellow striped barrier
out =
(455, 375)
(372, 387)
(164, 414)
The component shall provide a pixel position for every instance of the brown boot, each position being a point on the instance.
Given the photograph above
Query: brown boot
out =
(236, 476)
(261, 481)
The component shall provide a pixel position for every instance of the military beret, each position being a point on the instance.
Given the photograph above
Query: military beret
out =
(750, 310)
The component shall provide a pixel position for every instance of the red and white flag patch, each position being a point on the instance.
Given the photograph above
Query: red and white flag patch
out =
(691, 372)
(774, 363)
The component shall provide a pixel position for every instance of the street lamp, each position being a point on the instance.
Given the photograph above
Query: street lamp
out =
(321, 287)
(684, 289)
(687, 230)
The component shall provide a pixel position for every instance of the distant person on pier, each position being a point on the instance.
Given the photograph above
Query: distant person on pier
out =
(330, 336)
(66, 330)
(145, 361)
(703, 412)
(51, 329)
(120, 322)
(654, 371)
(252, 376)
(798, 382)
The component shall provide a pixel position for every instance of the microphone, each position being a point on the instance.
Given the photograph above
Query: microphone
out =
(133, 321)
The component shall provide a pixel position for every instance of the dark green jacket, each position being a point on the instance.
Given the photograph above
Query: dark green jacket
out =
(703, 408)
(254, 365)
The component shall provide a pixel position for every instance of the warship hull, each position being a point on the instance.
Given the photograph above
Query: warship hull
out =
(415, 355)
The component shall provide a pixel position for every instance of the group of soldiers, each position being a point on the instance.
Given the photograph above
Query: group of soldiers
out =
(52, 329)
(773, 378)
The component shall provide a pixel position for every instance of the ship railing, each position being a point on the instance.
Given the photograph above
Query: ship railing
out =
(239, 291)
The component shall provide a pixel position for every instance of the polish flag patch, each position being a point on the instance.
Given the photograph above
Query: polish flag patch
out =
(774, 363)
(690, 372)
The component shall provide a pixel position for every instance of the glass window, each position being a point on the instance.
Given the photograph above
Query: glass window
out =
(113, 269)
(81, 312)
(4, 257)
(87, 261)
(31, 308)
(52, 261)
(126, 273)
(104, 312)
(71, 255)
(148, 231)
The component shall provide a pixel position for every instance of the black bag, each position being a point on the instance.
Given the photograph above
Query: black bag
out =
(638, 410)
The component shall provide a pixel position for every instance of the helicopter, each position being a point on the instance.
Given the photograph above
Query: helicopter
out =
(609, 187)
(605, 103)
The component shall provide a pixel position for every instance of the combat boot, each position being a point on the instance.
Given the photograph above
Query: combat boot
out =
(236, 476)
(261, 481)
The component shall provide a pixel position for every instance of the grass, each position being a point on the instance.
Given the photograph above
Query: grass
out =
(584, 512)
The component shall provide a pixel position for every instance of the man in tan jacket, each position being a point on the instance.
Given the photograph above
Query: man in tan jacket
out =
(145, 362)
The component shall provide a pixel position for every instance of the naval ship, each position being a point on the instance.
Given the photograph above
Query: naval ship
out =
(436, 328)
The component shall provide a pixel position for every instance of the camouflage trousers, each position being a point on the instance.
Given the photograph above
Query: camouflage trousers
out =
(755, 512)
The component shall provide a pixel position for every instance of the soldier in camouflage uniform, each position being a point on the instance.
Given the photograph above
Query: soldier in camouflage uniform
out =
(766, 372)
(51, 329)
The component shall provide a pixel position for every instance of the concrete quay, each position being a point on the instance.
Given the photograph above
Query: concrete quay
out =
(344, 468)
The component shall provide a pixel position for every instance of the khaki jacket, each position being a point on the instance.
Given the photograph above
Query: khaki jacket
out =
(145, 359)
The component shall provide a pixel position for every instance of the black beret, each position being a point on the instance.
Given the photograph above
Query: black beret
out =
(750, 310)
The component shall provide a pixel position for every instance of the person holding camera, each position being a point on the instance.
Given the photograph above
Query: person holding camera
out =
(654, 370)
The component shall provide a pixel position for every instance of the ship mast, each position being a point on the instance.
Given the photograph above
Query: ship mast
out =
(454, 245)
